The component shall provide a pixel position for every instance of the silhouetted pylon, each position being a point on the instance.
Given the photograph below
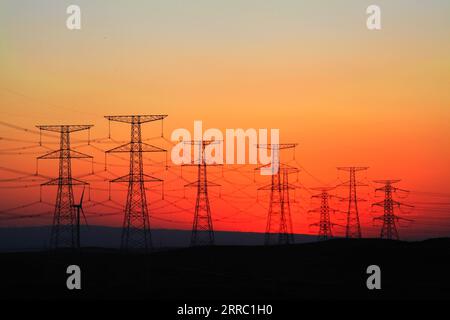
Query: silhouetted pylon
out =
(279, 229)
(64, 232)
(202, 226)
(389, 229)
(353, 227)
(136, 225)
(325, 225)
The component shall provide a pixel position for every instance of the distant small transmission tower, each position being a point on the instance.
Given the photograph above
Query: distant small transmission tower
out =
(202, 226)
(64, 233)
(353, 227)
(279, 229)
(325, 225)
(136, 226)
(389, 218)
(80, 211)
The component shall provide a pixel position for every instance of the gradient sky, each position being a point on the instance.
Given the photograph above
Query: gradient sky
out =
(347, 95)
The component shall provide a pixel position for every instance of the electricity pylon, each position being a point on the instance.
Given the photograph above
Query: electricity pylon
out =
(202, 226)
(279, 229)
(389, 218)
(325, 225)
(353, 227)
(64, 233)
(136, 225)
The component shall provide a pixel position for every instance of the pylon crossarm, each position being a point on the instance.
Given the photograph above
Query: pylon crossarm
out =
(388, 181)
(287, 186)
(352, 168)
(282, 166)
(399, 204)
(320, 195)
(136, 178)
(402, 190)
(357, 184)
(279, 146)
(378, 204)
(141, 147)
(64, 181)
(383, 217)
(393, 189)
(64, 128)
(137, 118)
(202, 142)
(64, 154)
(207, 184)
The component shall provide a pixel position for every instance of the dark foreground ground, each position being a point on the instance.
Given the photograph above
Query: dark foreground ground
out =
(333, 269)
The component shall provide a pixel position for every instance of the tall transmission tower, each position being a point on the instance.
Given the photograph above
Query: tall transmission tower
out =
(64, 231)
(389, 218)
(136, 225)
(325, 225)
(202, 226)
(353, 227)
(279, 229)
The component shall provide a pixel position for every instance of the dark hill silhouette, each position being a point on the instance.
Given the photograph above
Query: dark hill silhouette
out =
(36, 238)
(331, 269)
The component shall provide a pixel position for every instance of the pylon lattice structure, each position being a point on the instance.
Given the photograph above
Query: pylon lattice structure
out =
(136, 233)
(64, 229)
(389, 229)
(279, 229)
(353, 227)
(325, 225)
(202, 226)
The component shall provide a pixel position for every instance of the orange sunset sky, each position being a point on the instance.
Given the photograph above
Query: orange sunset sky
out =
(347, 95)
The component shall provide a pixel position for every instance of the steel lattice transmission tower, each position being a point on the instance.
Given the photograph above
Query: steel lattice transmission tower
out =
(64, 230)
(353, 227)
(136, 226)
(279, 229)
(389, 218)
(325, 225)
(202, 226)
